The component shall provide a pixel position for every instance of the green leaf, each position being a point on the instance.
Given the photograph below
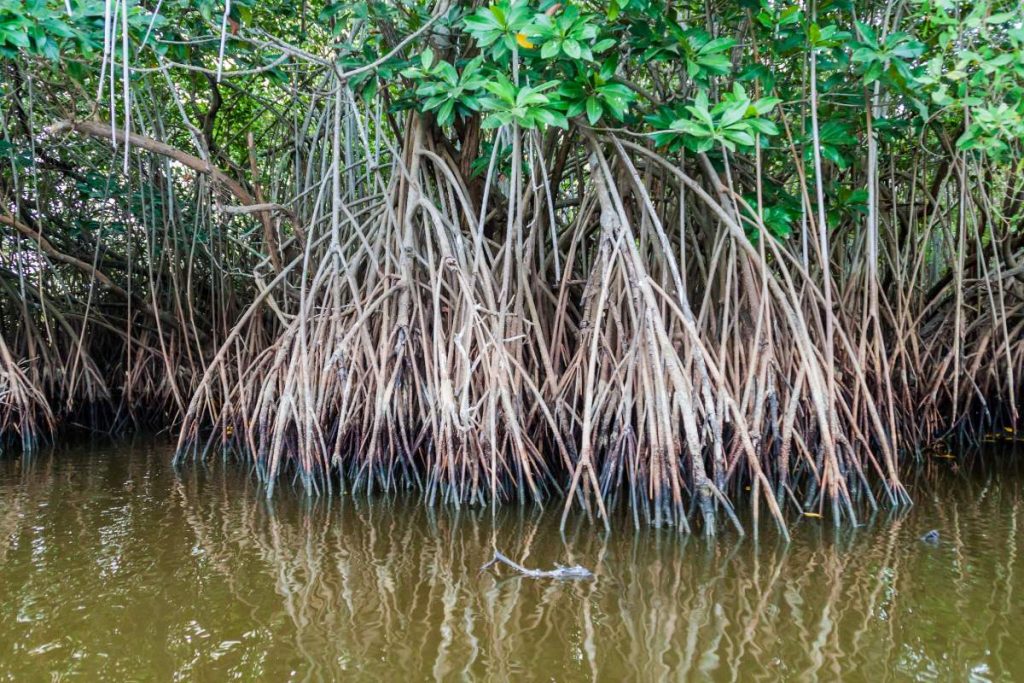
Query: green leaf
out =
(593, 110)
(700, 107)
(552, 118)
(766, 104)
(576, 108)
(763, 126)
(864, 54)
(608, 67)
(703, 145)
(690, 127)
(495, 120)
(833, 155)
(17, 38)
(868, 33)
(873, 73)
(502, 87)
(444, 114)
(715, 46)
(717, 64)
(734, 113)
(741, 137)
(1001, 18)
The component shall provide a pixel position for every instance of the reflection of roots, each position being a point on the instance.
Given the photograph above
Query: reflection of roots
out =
(356, 579)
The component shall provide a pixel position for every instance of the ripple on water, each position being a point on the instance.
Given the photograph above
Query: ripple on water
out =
(114, 567)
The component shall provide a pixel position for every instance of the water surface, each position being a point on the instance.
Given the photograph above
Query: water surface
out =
(112, 567)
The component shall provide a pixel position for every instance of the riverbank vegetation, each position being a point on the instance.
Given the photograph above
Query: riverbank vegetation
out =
(665, 257)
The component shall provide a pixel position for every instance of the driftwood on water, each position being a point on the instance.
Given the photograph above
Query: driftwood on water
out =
(559, 572)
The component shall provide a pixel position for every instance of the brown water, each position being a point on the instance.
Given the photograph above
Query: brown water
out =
(114, 568)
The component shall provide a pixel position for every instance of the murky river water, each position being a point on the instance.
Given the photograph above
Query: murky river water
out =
(114, 568)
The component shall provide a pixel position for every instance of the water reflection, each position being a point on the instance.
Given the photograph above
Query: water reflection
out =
(113, 566)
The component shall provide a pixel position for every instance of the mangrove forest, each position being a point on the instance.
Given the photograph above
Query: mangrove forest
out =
(511, 340)
(708, 265)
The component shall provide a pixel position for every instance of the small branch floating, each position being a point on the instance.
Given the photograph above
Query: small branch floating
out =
(575, 572)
